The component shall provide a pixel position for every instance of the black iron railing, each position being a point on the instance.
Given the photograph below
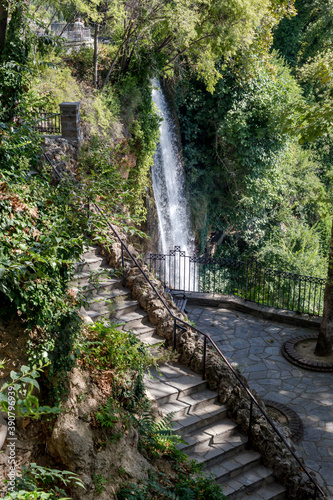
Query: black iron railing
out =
(246, 279)
(179, 324)
(48, 123)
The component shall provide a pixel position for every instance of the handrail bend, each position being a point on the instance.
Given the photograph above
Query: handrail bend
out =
(253, 400)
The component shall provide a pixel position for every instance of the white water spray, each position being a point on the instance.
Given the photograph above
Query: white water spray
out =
(169, 184)
(171, 203)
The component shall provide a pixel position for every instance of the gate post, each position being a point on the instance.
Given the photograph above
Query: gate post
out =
(70, 121)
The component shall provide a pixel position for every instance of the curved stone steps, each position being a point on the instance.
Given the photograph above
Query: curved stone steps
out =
(211, 438)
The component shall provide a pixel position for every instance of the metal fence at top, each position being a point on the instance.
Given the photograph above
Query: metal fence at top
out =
(48, 123)
(79, 35)
(246, 279)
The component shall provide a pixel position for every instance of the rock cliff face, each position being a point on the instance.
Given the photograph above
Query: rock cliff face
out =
(84, 449)
(62, 154)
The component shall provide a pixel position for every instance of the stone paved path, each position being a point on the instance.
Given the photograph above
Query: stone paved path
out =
(254, 345)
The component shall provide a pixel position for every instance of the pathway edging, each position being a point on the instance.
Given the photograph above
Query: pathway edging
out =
(289, 352)
(246, 306)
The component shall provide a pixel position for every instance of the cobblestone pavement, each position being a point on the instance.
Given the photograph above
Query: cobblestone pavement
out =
(254, 344)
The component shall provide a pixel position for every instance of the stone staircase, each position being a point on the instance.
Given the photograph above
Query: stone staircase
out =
(198, 417)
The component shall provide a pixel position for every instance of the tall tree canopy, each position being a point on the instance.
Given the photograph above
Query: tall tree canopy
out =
(162, 36)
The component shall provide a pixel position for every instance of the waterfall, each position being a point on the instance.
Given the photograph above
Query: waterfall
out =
(171, 203)
(169, 184)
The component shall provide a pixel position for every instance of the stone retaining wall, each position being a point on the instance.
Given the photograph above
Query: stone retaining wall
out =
(220, 378)
(246, 306)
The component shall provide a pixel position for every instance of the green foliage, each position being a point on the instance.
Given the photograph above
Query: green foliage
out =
(189, 484)
(16, 396)
(307, 34)
(294, 248)
(152, 37)
(57, 84)
(244, 175)
(41, 483)
(107, 348)
(143, 123)
(306, 43)
(19, 150)
(13, 60)
(107, 416)
(157, 437)
(41, 237)
(99, 482)
(101, 114)
(38, 494)
(104, 182)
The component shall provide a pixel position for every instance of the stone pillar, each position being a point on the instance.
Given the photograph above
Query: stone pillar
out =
(70, 121)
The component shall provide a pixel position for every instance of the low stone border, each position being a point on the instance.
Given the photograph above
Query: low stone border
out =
(246, 306)
(289, 352)
(231, 393)
(295, 424)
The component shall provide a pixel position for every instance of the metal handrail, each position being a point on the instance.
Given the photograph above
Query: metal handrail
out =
(206, 337)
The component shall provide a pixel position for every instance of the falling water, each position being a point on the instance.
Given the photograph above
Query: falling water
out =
(169, 184)
(169, 192)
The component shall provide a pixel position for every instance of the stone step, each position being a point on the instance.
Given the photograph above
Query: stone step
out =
(214, 432)
(96, 302)
(140, 327)
(173, 389)
(91, 252)
(212, 453)
(151, 339)
(91, 264)
(93, 279)
(199, 402)
(102, 314)
(125, 307)
(200, 399)
(105, 285)
(130, 317)
(199, 418)
(258, 477)
(232, 466)
(271, 491)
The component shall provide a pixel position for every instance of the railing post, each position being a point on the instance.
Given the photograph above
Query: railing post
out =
(174, 333)
(123, 265)
(204, 359)
(250, 437)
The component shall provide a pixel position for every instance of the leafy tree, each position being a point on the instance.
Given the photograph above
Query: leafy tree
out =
(325, 338)
(240, 166)
(164, 35)
(307, 34)
(14, 50)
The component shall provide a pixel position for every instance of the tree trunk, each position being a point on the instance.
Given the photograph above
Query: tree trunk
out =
(3, 25)
(96, 54)
(325, 338)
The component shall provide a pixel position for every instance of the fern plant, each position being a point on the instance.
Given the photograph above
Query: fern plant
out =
(157, 437)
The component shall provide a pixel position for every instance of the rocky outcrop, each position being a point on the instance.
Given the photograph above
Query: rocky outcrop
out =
(62, 154)
(84, 449)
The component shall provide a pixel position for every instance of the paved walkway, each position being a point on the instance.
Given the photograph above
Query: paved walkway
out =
(254, 345)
